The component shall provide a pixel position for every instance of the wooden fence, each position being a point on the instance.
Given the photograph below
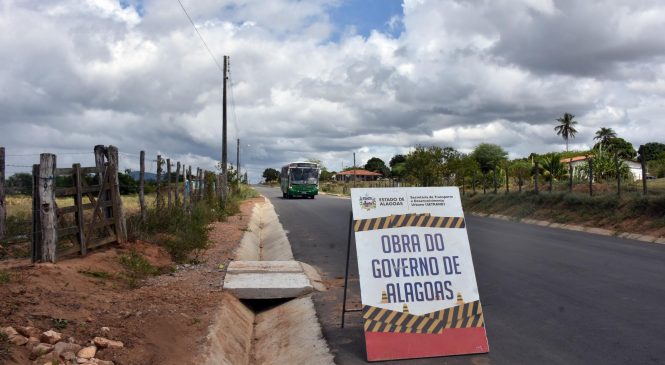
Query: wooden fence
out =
(95, 217)
(105, 222)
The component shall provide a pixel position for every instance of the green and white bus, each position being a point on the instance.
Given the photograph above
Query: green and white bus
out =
(300, 179)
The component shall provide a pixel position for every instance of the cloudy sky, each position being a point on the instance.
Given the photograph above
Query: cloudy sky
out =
(324, 78)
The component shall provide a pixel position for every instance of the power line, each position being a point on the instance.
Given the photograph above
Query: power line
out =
(200, 36)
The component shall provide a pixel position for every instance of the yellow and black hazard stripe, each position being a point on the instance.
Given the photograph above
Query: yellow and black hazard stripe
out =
(408, 220)
(375, 326)
(424, 327)
(457, 312)
(397, 318)
(360, 225)
(467, 315)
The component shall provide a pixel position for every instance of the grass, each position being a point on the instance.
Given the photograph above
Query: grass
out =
(97, 274)
(183, 233)
(137, 268)
(572, 207)
(5, 277)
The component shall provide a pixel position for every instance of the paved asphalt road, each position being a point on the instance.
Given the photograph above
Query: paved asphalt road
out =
(550, 296)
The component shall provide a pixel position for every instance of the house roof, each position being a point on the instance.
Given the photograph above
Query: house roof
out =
(359, 172)
(574, 159)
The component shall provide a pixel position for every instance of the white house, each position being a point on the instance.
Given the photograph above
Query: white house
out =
(635, 167)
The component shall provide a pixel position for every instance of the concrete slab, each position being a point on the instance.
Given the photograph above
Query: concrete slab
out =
(267, 285)
(239, 267)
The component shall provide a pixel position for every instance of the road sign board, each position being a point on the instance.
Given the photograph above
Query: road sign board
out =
(418, 286)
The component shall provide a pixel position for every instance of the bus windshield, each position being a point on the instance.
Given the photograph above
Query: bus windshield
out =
(304, 175)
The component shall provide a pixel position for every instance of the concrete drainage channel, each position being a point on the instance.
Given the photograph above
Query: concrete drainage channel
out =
(267, 315)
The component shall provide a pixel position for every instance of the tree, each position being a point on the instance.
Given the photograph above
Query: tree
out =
(376, 164)
(619, 146)
(566, 127)
(127, 184)
(603, 135)
(424, 164)
(270, 174)
(19, 183)
(397, 159)
(652, 150)
(325, 174)
(397, 166)
(521, 170)
(452, 164)
(552, 168)
(488, 156)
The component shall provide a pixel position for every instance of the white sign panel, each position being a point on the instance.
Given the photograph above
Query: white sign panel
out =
(416, 273)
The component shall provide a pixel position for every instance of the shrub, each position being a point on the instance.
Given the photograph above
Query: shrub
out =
(136, 268)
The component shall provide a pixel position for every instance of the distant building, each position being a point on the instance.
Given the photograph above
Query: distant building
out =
(635, 169)
(577, 161)
(360, 174)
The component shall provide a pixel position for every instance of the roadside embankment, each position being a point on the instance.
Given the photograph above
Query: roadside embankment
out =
(632, 216)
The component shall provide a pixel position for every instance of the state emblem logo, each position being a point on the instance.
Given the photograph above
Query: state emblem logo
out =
(367, 202)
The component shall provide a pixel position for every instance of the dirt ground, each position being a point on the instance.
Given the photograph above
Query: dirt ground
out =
(163, 321)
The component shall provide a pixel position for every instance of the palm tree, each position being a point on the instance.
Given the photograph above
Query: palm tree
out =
(553, 168)
(603, 135)
(566, 127)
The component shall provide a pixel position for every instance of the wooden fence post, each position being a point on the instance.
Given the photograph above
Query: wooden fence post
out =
(494, 177)
(201, 183)
(158, 182)
(187, 187)
(591, 177)
(118, 211)
(3, 209)
(484, 183)
(177, 182)
(78, 202)
(47, 207)
(535, 177)
(100, 151)
(100, 157)
(616, 163)
(570, 172)
(168, 182)
(142, 186)
(36, 219)
(644, 170)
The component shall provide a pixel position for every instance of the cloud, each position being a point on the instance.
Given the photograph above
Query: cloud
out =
(453, 73)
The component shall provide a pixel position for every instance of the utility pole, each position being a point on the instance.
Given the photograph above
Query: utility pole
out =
(354, 169)
(224, 152)
(238, 160)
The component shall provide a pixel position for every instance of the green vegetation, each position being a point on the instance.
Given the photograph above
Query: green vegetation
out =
(603, 135)
(184, 232)
(5, 277)
(137, 268)
(376, 164)
(270, 175)
(572, 208)
(97, 274)
(59, 323)
(566, 128)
